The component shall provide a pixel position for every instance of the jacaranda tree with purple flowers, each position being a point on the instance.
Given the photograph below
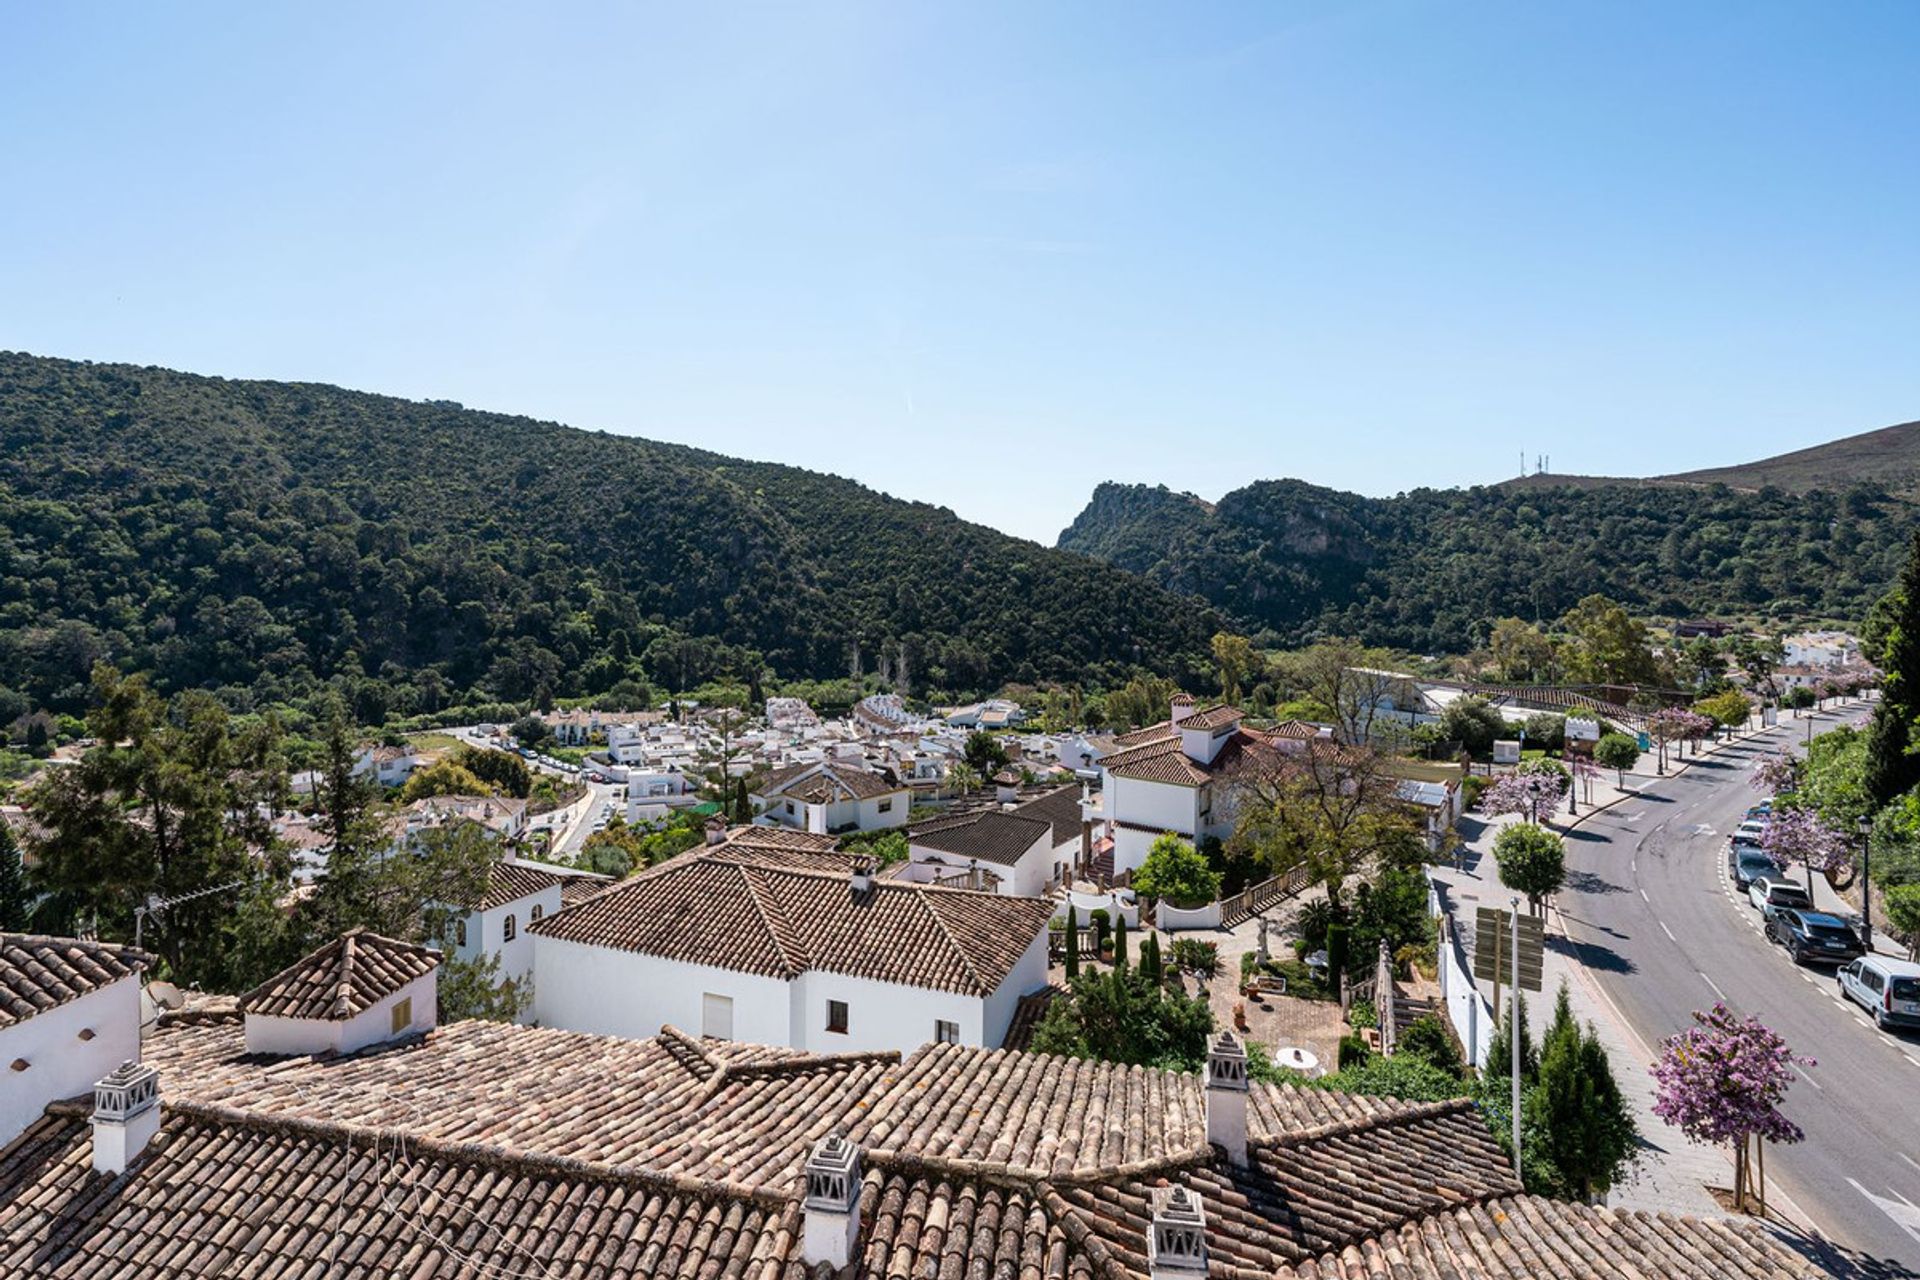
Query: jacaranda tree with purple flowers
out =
(1776, 774)
(1802, 836)
(1530, 794)
(1722, 1081)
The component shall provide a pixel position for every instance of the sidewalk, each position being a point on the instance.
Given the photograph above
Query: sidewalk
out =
(1671, 1173)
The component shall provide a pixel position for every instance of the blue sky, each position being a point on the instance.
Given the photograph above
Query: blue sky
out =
(987, 256)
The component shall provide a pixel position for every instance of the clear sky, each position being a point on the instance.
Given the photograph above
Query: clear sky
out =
(987, 256)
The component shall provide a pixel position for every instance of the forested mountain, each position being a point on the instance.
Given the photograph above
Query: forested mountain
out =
(263, 537)
(1430, 569)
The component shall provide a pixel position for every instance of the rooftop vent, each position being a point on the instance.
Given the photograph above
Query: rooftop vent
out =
(1177, 1238)
(861, 867)
(126, 1115)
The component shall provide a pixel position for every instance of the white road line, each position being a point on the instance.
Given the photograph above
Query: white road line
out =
(1909, 1159)
(1668, 932)
(1644, 898)
(1716, 986)
(1809, 1079)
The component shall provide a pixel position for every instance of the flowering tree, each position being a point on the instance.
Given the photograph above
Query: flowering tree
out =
(1802, 836)
(1528, 794)
(1722, 1081)
(1697, 728)
(1671, 724)
(1776, 774)
(1584, 772)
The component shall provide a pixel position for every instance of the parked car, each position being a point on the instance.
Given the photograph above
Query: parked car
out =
(1750, 831)
(1747, 864)
(1814, 935)
(1761, 810)
(1888, 989)
(1771, 893)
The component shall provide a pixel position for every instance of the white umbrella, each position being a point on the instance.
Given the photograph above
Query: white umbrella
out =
(1300, 1060)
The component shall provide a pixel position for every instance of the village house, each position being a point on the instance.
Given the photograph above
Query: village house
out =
(829, 796)
(994, 713)
(503, 816)
(358, 990)
(475, 1147)
(1172, 777)
(1016, 848)
(796, 947)
(69, 1014)
(388, 766)
(517, 894)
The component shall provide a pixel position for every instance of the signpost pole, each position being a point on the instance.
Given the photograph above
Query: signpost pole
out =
(1513, 1034)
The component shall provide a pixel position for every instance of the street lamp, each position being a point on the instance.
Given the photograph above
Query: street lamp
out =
(1866, 877)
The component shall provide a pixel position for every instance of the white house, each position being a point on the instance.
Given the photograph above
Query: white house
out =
(653, 793)
(1023, 849)
(733, 946)
(994, 713)
(518, 894)
(831, 796)
(1173, 777)
(358, 990)
(389, 766)
(69, 1014)
(504, 816)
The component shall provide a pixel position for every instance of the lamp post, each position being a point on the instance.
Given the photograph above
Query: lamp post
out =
(1866, 877)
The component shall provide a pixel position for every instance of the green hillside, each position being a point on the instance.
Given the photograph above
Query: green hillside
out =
(1429, 570)
(265, 536)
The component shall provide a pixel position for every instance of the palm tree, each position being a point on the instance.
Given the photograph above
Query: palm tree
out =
(962, 778)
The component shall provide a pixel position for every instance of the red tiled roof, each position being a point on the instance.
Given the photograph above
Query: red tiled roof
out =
(40, 973)
(347, 976)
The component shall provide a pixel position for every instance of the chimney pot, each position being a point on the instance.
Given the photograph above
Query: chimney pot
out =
(126, 1115)
(830, 1213)
(1177, 1237)
(860, 872)
(1227, 1096)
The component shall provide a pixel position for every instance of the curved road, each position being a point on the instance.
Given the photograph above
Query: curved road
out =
(1655, 921)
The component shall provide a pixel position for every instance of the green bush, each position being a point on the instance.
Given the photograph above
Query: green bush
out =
(1470, 788)
(1361, 1015)
(1197, 956)
(1176, 871)
(1406, 1076)
(1428, 1037)
(1354, 1051)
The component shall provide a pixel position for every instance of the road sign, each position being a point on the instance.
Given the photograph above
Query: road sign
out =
(1493, 947)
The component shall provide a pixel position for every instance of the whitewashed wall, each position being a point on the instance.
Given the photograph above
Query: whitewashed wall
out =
(1175, 919)
(619, 993)
(348, 1035)
(59, 1063)
(880, 1015)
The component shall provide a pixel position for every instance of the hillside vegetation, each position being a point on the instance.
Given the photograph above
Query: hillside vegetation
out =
(264, 537)
(1430, 570)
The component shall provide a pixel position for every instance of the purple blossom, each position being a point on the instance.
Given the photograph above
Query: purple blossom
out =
(1800, 835)
(1722, 1081)
(1527, 794)
(1775, 774)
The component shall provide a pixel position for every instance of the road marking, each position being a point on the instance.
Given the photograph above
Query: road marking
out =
(1668, 932)
(1909, 1159)
(1809, 1079)
(1716, 986)
(1905, 1214)
(1644, 898)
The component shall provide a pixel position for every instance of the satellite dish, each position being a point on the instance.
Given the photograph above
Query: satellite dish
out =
(166, 995)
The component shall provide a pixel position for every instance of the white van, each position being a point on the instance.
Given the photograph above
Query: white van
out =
(1888, 989)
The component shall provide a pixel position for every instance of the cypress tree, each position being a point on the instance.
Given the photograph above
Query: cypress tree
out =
(1119, 942)
(1150, 960)
(1073, 944)
(1892, 766)
(13, 884)
(1575, 1116)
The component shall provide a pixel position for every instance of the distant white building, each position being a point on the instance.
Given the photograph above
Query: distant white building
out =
(994, 713)
(790, 714)
(517, 894)
(830, 796)
(389, 766)
(1173, 777)
(1023, 849)
(733, 945)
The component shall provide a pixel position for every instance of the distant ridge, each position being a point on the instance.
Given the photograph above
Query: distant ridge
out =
(1888, 457)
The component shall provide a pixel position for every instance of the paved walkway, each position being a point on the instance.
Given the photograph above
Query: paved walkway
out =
(1672, 1173)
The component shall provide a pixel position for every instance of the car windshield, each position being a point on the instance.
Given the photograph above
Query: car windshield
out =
(1903, 988)
(1783, 893)
(1829, 932)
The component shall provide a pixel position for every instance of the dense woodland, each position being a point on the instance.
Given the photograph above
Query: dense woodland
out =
(1432, 569)
(261, 539)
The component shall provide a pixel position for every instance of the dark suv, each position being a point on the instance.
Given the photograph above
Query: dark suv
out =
(1814, 935)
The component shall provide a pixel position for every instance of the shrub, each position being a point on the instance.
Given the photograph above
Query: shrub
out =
(1176, 871)
(1354, 1051)
(1532, 860)
(1470, 788)
(1362, 1015)
(1197, 956)
(1429, 1038)
(1406, 1076)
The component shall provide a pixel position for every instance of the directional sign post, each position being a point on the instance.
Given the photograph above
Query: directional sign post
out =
(1491, 929)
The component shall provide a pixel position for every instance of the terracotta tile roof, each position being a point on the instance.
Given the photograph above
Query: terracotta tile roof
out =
(1148, 733)
(1214, 717)
(1299, 729)
(230, 1194)
(39, 973)
(1163, 759)
(992, 836)
(480, 1145)
(1027, 1015)
(822, 781)
(780, 922)
(1061, 808)
(347, 976)
(512, 881)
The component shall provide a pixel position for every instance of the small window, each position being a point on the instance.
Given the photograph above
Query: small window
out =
(460, 931)
(716, 1016)
(837, 1016)
(536, 913)
(512, 928)
(886, 806)
(945, 1032)
(402, 1015)
(789, 808)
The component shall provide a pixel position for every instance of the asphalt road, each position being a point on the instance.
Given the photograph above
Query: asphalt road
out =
(1649, 908)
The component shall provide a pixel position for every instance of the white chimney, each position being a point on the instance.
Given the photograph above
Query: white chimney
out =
(1227, 1096)
(716, 830)
(860, 873)
(830, 1214)
(126, 1115)
(1177, 1238)
(1180, 708)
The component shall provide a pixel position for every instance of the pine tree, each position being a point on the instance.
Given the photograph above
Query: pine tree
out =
(13, 884)
(1500, 1052)
(1579, 1132)
(1073, 944)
